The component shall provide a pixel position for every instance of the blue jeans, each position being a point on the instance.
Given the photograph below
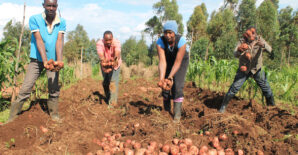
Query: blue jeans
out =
(260, 79)
(110, 85)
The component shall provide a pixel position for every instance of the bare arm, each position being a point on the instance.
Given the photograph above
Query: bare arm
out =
(178, 61)
(41, 47)
(59, 46)
(162, 66)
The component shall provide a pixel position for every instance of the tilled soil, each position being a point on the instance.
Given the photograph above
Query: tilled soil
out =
(86, 118)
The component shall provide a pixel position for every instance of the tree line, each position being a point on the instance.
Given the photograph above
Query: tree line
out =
(208, 35)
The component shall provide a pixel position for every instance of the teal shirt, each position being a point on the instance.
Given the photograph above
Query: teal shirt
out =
(38, 23)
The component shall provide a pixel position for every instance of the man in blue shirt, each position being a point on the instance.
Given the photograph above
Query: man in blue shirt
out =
(46, 43)
(173, 63)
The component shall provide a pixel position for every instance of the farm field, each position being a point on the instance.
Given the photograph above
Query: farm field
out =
(140, 117)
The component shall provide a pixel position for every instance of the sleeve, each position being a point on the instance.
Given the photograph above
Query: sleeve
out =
(182, 42)
(99, 47)
(236, 52)
(117, 45)
(33, 25)
(62, 28)
(266, 45)
(160, 43)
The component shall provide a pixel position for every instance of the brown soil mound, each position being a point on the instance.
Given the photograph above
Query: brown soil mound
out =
(86, 117)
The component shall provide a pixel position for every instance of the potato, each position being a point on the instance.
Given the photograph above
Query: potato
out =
(248, 55)
(166, 148)
(175, 141)
(223, 137)
(243, 68)
(203, 149)
(194, 150)
(260, 152)
(188, 142)
(229, 151)
(240, 152)
(174, 150)
(212, 152)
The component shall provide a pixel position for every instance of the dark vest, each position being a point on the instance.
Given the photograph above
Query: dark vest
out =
(171, 54)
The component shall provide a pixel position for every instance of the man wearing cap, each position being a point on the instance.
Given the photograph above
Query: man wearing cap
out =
(47, 42)
(250, 53)
(173, 63)
(109, 52)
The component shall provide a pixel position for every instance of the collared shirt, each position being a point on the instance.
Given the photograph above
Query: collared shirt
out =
(109, 53)
(256, 52)
(49, 34)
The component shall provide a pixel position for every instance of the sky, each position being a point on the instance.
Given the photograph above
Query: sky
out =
(125, 18)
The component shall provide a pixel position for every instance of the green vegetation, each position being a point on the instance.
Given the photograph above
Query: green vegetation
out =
(211, 38)
(219, 74)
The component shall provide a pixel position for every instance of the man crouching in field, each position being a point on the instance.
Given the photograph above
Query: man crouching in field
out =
(173, 63)
(108, 50)
(46, 44)
(250, 53)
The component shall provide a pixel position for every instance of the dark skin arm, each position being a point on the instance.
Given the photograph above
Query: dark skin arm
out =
(41, 48)
(59, 47)
(163, 65)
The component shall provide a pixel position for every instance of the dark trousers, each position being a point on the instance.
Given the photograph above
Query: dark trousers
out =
(110, 85)
(259, 77)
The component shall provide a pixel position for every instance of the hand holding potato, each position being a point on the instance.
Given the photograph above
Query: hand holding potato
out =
(243, 47)
(53, 65)
(166, 84)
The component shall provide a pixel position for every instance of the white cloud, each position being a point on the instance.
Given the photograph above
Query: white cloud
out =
(138, 2)
(125, 29)
(10, 11)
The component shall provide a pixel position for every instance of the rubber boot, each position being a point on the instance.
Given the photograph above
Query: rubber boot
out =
(54, 109)
(177, 111)
(167, 104)
(225, 103)
(270, 101)
(15, 109)
(107, 92)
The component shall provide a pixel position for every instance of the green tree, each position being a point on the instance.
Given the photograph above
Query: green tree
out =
(204, 8)
(288, 34)
(168, 10)
(231, 4)
(134, 51)
(12, 30)
(91, 53)
(275, 2)
(197, 24)
(77, 40)
(153, 28)
(246, 15)
(199, 47)
(268, 27)
(221, 30)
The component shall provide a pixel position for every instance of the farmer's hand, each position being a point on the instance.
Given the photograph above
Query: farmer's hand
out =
(243, 47)
(45, 65)
(58, 65)
(165, 84)
(103, 63)
(261, 44)
(169, 81)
